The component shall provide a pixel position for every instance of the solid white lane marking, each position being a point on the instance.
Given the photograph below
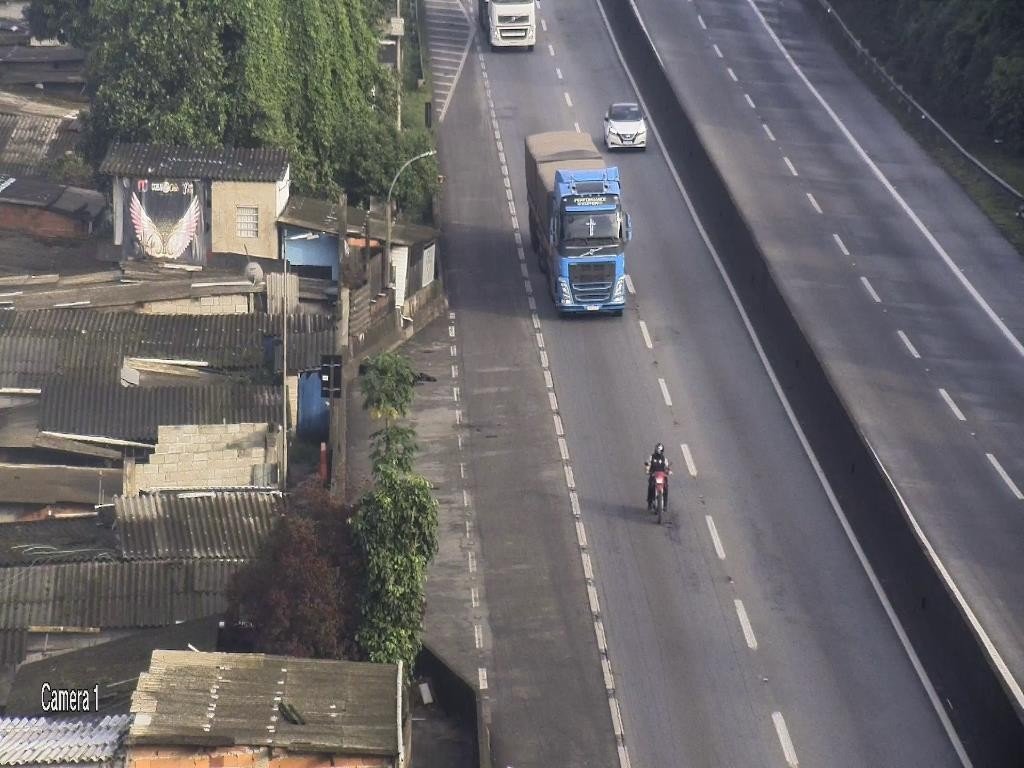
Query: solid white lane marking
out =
(482, 674)
(551, 49)
(647, 336)
(544, 25)
(789, 164)
(767, 130)
(691, 466)
(910, 347)
(841, 244)
(922, 675)
(717, 542)
(474, 597)
(750, 101)
(558, 72)
(870, 289)
(787, 743)
(1006, 478)
(664, 392)
(718, 51)
(813, 202)
(577, 127)
(629, 285)
(478, 635)
(732, 74)
(952, 406)
(748, 631)
(936, 245)
(700, 20)
(568, 101)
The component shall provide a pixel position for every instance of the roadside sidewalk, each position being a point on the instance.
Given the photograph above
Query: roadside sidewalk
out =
(454, 601)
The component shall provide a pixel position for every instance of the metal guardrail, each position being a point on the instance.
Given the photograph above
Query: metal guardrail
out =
(881, 72)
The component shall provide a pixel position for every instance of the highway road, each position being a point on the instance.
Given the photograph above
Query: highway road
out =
(744, 632)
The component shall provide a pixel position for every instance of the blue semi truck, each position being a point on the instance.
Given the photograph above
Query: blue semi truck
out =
(578, 227)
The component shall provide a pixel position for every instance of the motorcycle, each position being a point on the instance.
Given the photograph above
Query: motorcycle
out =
(660, 478)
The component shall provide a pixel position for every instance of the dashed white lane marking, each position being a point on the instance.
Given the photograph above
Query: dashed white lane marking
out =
(478, 635)
(789, 164)
(524, 271)
(748, 631)
(548, 382)
(813, 202)
(750, 101)
(462, 470)
(532, 303)
(691, 466)
(570, 479)
(544, 25)
(715, 540)
(841, 244)
(459, 437)
(577, 127)
(528, 287)
(451, 331)
(700, 20)
(563, 449)
(536, 320)
(732, 74)
(474, 597)
(870, 289)
(465, 497)
(558, 72)
(568, 101)
(551, 49)
(559, 429)
(952, 406)
(787, 743)
(540, 339)
(1006, 478)
(482, 674)
(543, 359)
(471, 562)
(936, 245)
(647, 336)
(455, 394)
(458, 419)
(454, 350)
(553, 402)
(910, 347)
(718, 51)
(768, 131)
(629, 285)
(455, 371)
(664, 392)
(469, 528)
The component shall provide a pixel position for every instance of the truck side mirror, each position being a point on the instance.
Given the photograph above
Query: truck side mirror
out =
(629, 227)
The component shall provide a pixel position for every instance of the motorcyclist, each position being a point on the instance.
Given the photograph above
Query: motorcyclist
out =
(657, 463)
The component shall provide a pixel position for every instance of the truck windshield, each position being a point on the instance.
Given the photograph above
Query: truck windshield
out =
(591, 227)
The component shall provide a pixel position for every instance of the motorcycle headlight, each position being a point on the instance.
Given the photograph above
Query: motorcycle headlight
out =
(563, 289)
(619, 294)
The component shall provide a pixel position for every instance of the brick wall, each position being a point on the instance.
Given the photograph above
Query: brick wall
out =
(234, 304)
(206, 456)
(40, 222)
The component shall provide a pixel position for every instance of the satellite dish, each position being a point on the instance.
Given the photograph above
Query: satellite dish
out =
(253, 272)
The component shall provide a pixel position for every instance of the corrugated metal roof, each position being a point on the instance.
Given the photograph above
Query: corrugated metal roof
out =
(72, 539)
(173, 162)
(28, 142)
(28, 741)
(41, 53)
(13, 643)
(151, 593)
(349, 708)
(195, 525)
(133, 413)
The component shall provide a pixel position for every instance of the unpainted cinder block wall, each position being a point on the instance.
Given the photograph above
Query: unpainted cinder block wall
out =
(206, 456)
(233, 304)
(242, 757)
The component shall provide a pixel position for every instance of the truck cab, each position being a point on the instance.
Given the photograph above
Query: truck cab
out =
(509, 23)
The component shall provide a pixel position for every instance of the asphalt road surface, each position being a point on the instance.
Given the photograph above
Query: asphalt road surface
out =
(744, 632)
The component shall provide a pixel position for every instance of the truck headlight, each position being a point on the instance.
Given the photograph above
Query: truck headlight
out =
(619, 294)
(563, 289)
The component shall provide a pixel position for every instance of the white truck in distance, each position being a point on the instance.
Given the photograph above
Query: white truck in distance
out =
(509, 23)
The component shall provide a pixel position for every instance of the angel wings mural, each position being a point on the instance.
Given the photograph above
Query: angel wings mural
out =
(160, 242)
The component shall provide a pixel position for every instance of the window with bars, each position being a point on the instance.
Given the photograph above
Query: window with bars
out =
(247, 220)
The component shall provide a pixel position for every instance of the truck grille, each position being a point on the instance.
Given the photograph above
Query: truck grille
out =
(592, 283)
(513, 19)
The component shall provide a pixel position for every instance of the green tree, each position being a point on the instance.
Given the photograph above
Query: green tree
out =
(1006, 100)
(396, 530)
(68, 21)
(387, 383)
(394, 447)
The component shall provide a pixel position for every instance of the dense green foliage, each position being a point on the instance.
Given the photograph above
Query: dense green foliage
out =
(396, 523)
(962, 58)
(299, 75)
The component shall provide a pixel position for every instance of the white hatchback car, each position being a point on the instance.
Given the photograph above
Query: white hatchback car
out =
(625, 126)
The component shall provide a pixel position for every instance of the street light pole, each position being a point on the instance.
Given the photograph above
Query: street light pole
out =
(387, 211)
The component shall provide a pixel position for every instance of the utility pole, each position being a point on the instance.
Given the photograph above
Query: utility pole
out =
(284, 377)
(387, 213)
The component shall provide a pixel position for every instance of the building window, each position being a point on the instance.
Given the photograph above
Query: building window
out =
(247, 219)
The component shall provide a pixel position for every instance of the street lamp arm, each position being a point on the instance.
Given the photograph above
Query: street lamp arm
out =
(405, 165)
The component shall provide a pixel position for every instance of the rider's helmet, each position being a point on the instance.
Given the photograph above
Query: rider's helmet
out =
(659, 449)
